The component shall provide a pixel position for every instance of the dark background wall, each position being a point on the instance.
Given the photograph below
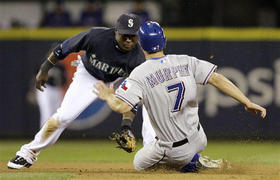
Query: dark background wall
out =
(251, 65)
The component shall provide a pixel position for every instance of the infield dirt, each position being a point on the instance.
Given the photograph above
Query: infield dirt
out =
(239, 171)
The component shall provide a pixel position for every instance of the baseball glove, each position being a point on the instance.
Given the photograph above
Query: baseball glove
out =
(125, 140)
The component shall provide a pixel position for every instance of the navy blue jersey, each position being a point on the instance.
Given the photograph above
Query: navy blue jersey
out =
(103, 58)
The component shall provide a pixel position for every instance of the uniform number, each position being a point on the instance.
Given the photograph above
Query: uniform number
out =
(180, 88)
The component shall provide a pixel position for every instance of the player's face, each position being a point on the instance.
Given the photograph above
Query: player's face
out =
(126, 42)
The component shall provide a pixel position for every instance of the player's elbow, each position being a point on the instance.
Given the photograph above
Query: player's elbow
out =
(118, 105)
(119, 110)
(216, 79)
(122, 108)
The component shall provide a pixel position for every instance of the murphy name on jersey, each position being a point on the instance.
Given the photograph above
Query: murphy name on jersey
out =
(166, 74)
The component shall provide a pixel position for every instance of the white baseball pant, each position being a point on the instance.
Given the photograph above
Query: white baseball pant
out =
(48, 101)
(148, 132)
(77, 98)
(160, 152)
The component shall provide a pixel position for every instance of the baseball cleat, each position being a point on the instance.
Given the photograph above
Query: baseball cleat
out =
(18, 162)
(204, 162)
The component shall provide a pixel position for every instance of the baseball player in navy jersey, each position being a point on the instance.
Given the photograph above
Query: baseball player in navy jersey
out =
(167, 86)
(110, 54)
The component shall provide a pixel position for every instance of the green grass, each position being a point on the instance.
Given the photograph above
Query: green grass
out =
(29, 176)
(105, 151)
(251, 152)
(71, 151)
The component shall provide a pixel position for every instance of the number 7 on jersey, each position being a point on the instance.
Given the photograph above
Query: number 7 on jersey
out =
(180, 88)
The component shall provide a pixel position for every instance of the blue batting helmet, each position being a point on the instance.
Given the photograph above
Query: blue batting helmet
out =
(151, 37)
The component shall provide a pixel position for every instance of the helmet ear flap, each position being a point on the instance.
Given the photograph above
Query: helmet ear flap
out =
(165, 42)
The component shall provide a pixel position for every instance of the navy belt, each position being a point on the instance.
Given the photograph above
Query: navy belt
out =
(184, 141)
(180, 143)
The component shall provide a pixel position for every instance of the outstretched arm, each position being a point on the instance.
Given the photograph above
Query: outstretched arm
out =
(73, 44)
(42, 75)
(125, 139)
(108, 95)
(227, 87)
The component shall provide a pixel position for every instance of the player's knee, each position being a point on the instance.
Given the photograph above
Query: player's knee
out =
(64, 119)
(50, 127)
(137, 163)
(203, 139)
(204, 142)
(137, 166)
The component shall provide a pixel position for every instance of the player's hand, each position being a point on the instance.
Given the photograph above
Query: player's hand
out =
(41, 79)
(255, 109)
(102, 91)
(125, 140)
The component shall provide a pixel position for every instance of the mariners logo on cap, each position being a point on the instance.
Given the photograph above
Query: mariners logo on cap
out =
(130, 23)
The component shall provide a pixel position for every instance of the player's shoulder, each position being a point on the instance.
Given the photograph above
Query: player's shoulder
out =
(140, 67)
(180, 56)
(140, 70)
(101, 31)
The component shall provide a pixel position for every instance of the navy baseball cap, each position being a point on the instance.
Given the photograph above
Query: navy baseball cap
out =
(128, 24)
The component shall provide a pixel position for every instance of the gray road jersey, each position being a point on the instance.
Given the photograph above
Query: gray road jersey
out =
(168, 88)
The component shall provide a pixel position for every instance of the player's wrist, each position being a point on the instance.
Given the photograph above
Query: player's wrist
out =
(126, 124)
(110, 98)
(248, 103)
(46, 66)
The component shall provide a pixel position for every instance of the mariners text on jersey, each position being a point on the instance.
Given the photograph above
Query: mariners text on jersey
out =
(106, 67)
(103, 58)
(166, 74)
